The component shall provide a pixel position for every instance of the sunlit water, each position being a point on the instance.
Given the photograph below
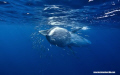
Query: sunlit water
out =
(23, 51)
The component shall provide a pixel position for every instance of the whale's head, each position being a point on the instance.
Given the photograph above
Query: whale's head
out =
(57, 36)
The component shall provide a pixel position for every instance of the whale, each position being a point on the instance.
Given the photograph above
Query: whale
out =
(61, 37)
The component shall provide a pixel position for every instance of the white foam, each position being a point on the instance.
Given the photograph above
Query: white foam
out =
(112, 11)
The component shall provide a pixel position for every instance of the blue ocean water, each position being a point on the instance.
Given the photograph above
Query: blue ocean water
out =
(23, 51)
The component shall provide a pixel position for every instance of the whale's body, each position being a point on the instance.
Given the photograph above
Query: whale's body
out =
(62, 37)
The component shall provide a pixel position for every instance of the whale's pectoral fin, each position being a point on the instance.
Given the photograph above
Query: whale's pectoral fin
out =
(43, 32)
(71, 49)
(74, 31)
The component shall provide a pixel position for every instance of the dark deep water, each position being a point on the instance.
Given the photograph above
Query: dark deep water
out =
(23, 51)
